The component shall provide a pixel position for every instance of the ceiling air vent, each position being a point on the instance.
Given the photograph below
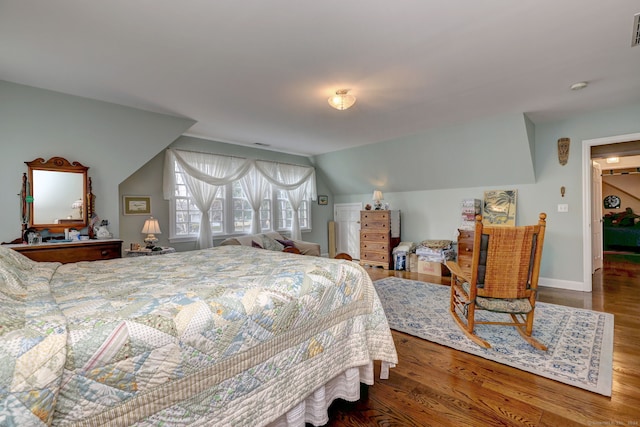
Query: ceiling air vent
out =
(636, 30)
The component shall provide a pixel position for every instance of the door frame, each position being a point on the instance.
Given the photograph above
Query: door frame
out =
(587, 267)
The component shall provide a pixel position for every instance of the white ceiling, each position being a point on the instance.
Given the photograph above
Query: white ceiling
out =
(258, 71)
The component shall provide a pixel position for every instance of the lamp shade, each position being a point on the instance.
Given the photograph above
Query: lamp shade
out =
(342, 100)
(377, 196)
(151, 226)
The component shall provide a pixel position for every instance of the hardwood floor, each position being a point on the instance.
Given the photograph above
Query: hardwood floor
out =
(434, 385)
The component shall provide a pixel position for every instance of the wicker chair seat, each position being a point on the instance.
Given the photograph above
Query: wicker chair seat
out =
(501, 305)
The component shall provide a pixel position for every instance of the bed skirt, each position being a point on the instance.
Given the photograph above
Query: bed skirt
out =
(313, 409)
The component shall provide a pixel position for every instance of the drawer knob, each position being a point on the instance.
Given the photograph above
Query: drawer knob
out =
(104, 253)
(467, 249)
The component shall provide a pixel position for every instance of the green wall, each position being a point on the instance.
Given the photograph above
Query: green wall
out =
(432, 213)
(112, 140)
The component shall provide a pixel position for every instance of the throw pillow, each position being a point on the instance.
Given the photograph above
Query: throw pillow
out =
(286, 243)
(271, 244)
(255, 244)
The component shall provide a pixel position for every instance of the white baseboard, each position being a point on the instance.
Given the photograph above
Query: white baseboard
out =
(569, 285)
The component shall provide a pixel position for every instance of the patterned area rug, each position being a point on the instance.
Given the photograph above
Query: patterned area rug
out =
(580, 342)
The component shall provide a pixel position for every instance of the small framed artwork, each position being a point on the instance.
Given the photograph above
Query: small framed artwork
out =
(136, 205)
(323, 200)
(500, 207)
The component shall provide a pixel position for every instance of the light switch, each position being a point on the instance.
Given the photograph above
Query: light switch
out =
(563, 207)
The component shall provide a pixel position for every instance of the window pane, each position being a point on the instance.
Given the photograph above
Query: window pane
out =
(216, 213)
(265, 215)
(242, 211)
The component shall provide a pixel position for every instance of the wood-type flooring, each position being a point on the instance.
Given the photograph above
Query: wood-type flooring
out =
(434, 385)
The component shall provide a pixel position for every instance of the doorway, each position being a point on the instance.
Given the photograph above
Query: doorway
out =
(347, 228)
(616, 144)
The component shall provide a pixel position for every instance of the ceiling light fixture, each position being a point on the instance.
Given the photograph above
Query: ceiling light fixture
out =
(578, 86)
(342, 100)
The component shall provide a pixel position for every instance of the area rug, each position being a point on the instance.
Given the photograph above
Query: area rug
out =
(580, 342)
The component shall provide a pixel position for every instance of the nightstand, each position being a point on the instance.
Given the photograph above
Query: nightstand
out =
(147, 252)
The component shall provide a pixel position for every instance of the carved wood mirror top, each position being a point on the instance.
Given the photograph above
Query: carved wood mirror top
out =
(60, 195)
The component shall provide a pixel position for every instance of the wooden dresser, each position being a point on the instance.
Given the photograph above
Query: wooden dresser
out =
(379, 234)
(465, 251)
(86, 250)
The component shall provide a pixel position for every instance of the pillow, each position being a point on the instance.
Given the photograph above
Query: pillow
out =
(11, 257)
(255, 244)
(286, 242)
(270, 243)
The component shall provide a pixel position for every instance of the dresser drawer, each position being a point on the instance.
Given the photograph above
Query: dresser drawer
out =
(374, 246)
(374, 225)
(466, 235)
(98, 253)
(465, 248)
(91, 250)
(374, 216)
(377, 257)
(465, 263)
(372, 236)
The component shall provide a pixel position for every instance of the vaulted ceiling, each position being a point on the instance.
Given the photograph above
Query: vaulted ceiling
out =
(256, 71)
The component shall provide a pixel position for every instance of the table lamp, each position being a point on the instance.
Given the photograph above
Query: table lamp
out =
(377, 197)
(151, 228)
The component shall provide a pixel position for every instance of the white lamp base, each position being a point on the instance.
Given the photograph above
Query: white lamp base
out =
(150, 241)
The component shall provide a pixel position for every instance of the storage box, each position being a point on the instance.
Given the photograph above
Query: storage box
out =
(412, 262)
(432, 268)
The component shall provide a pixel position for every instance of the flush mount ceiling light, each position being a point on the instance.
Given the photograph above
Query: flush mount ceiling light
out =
(342, 100)
(578, 86)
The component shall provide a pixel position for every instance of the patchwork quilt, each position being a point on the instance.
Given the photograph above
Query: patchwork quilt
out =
(223, 336)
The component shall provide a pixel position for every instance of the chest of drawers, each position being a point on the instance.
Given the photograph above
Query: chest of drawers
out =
(89, 250)
(465, 251)
(379, 234)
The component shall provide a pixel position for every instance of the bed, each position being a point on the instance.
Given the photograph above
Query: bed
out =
(621, 231)
(621, 238)
(224, 336)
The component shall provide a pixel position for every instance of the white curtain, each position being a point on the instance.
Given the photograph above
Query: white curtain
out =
(298, 181)
(255, 188)
(205, 173)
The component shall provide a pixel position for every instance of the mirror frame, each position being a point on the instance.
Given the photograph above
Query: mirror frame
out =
(60, 164)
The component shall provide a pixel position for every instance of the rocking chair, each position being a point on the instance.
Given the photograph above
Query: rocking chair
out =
(504, 278)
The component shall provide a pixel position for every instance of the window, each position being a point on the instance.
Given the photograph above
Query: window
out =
(231, 212)
(286, 212)
(242, 211)
(186, 214)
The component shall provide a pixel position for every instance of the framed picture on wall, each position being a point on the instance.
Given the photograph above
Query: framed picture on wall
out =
(323, 200)
(136, 205)
(499, 207)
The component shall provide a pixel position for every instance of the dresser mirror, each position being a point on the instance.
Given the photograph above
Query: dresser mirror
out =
(57, 195)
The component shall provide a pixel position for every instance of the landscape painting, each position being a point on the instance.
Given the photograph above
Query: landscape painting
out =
(499, 207)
